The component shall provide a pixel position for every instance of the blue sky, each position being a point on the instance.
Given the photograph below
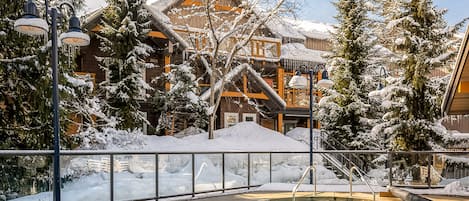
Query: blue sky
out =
(324, 11)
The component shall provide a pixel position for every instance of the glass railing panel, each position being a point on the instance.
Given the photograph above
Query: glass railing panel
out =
(26, 177)
(208, 172)
(236, 170)
(260, 169)
(288, 167)
(85, 176)
(174, 174)
(134, 177)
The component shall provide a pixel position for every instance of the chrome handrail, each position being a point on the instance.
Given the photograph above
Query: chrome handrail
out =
(362, 178)
(295, 189)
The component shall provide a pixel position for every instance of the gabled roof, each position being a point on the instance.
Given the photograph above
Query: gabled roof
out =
(158, 18)
(279, 103)
(456, 101)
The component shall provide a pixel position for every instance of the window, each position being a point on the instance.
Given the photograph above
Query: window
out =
(231, 119)
(250, 117)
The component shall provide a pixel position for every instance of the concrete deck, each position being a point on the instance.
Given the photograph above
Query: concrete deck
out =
(265, 196)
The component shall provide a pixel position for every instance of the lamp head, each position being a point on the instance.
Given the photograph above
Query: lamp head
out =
(298, 81)
(74, 36)
(325, 82)
(30, 23)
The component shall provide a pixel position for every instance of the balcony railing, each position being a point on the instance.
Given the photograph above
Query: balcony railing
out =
(142, 175)
(257, 48)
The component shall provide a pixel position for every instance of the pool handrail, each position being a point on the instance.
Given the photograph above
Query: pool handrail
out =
(295, 189)
(362, 178)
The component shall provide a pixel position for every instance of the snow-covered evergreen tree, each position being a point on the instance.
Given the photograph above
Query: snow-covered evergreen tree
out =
(345, 111)
(180, 106)
(125, 25)
(25, 98)
(417, 34)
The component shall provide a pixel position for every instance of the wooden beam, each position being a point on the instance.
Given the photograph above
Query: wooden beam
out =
(97, 28)
(157, 34)
(245, 84)
(217, 6)
(280, 123)
(167, 69)
(153, 34)
(463, 87)
(280, 84)
(261, 96)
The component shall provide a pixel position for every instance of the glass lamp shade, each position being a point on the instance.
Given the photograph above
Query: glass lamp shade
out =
(75, 38)
(298, 82)
(325, 83)
(32, 26)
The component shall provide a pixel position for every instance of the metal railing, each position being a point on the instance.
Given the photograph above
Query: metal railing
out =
(305, 173)
(267, 162)
(362, 178)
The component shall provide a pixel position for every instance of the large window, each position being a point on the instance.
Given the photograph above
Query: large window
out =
(231, 119)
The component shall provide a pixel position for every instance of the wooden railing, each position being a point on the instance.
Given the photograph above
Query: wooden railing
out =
(258, 47)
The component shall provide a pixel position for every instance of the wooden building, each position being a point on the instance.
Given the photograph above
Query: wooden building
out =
(261, 79)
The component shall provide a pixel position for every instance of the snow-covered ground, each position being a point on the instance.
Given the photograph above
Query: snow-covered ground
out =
(135, 174)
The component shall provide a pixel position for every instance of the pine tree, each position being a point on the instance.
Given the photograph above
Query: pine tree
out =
(421, 41)
(181, 105)
(125, 26)
(25, 100)
(345, 112)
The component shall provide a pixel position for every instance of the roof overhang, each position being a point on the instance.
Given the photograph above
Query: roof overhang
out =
(277, 103)
(456, 99)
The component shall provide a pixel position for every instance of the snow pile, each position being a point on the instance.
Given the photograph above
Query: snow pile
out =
(245, 136)
(112, 139)
(189, 131)
(302, 135)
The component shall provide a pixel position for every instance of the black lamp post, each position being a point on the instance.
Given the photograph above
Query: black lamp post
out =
(31, 24)
(300, 82)
(382, 73)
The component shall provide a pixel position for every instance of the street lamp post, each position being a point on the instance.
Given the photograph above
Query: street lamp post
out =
(31, 24)
(300, 82)
(382, 73)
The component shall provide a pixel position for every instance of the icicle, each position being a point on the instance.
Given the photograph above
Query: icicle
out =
(69, 55)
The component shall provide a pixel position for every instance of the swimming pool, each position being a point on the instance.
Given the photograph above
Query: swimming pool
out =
(320, 199)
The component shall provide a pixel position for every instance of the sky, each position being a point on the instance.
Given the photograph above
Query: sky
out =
(324, 11)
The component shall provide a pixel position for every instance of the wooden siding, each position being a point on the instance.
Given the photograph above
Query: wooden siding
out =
(317, 44)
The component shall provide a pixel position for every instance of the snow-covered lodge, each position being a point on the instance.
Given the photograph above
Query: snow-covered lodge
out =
(257, 91)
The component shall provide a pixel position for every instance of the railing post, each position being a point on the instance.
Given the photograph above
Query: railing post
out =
(111, 172)
(390, 167)
(157, 169)
(193, 175)
(249, 170)
(270, 167)
(429, 166)
(223, 171)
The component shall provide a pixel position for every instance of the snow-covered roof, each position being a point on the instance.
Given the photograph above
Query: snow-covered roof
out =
(298, 51)
(311, 29)
(162, 5)
(161, 21)
(259, 80)
(281, 28)
(458, 103)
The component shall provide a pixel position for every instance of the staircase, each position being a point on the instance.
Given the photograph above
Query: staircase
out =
(339, 163)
